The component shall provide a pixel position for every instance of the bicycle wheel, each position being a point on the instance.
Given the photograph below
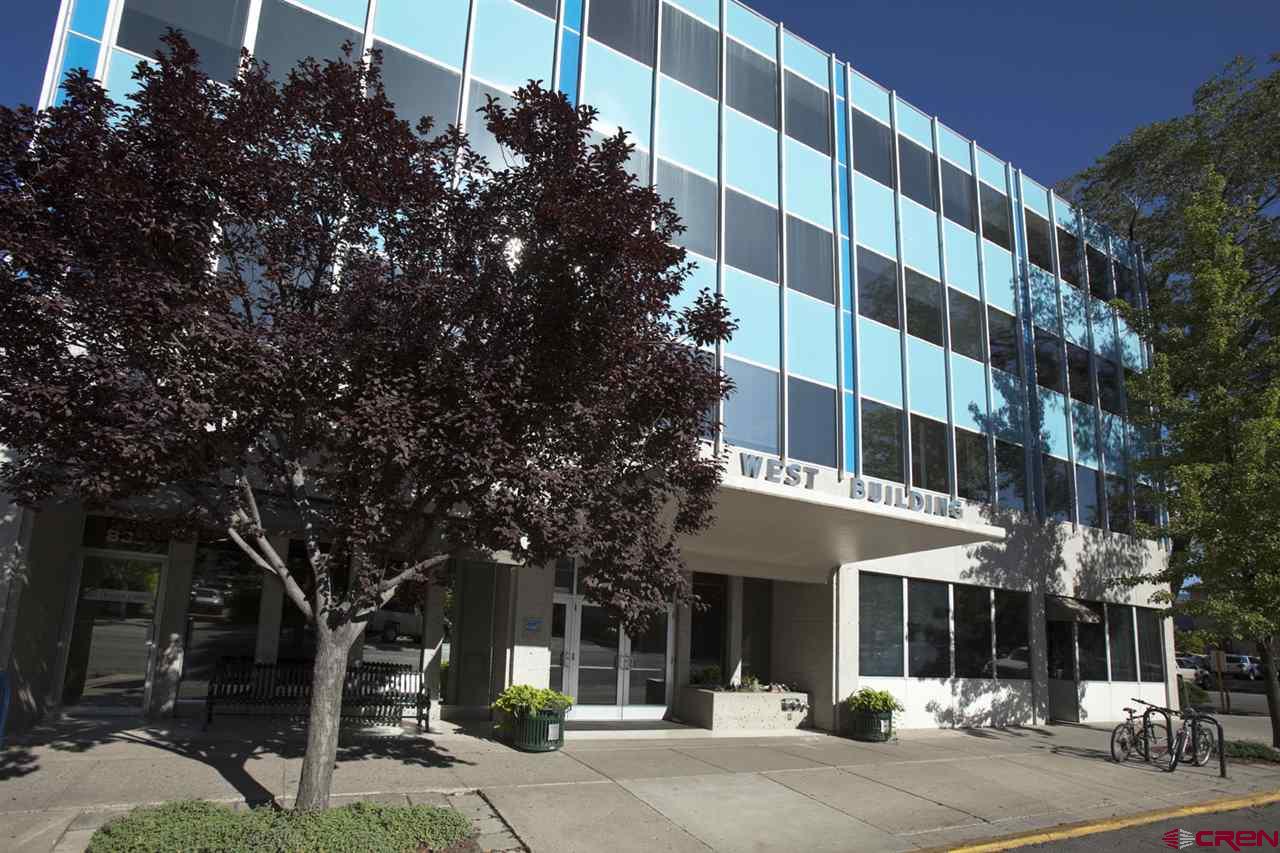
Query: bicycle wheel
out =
(1158, 743)
(1206, 746)
(1123, 741)
(1179, 744)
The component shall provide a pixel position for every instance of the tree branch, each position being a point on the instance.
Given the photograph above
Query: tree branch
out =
(389, 585)
(273, 563)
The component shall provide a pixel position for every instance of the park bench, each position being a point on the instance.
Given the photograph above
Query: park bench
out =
(372, 694)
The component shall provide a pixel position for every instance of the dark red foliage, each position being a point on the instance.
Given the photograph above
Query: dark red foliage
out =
(419, 354)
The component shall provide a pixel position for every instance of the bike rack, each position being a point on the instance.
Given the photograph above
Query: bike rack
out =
(1146, 728)
(1222, 743)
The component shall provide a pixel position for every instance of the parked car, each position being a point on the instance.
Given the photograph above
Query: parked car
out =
(1233, 666)
(393, 620)
(206, 599)
(1188, 667)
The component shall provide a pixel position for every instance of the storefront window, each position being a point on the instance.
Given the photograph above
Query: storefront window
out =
(879, 625)
(1013, 648)
(707, 629)
(1150, 645)
(928, 629)
(1120, 633)
(973, 632)
(223, 610)
(1092, 638)
(757, 628)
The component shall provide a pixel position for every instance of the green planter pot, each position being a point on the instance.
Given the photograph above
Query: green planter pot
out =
(539, 732)
(876, 727)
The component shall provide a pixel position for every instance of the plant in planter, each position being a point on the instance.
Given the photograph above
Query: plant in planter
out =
(871, 714)
(532, 718)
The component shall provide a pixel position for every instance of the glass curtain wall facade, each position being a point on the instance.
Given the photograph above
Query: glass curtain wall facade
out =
(910, 307)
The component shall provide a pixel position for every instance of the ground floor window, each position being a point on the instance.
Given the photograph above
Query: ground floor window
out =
(757, 628)
(1124, 665)
(879, 625)
(224, 608)
(1150, 645)
(928, 629)
(707, 626)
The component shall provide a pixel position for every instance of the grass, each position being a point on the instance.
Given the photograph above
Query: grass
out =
(188, 825)
(1252, 750)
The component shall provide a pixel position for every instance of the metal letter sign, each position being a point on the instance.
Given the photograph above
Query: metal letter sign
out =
(887, 494)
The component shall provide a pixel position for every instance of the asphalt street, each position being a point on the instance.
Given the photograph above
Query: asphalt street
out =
(1191, 831)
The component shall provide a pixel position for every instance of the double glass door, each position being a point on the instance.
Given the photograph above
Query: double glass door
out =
(610, 674)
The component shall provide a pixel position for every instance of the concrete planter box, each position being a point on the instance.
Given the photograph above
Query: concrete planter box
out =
(731, 711)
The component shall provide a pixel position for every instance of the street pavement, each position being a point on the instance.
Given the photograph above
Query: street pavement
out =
(1190, 829)
(674, 789)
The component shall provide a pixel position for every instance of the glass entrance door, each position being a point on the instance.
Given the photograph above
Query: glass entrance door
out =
(611, 675)
(109, 656)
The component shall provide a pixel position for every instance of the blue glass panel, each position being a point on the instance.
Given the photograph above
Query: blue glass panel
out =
(703, 277)
(920, 238)
(620, 88)
(850, 352)
(349, 11)
(880, 349)
(928, 374)
(1053, 423)
(968, 392)
(873, 207)
(1084, 434)
(708, 10)
(842, 134)
(570, 50)
(89, 17)
(991, 170)
(811, 338)
(914, 124)
(846, 273)
(751, 411)
(953, 146)
(573, 14)
(1007, 396)
(687, 127)
(754, 304)
(1044, 299)
(751, 29)
(844, 200)
(437, 30)
(840, 84)
(1113, 444)
(1064, 214)
(1130, 347)
(808, 184)
(1105, 341)
(120, 82)
(80, 53)
(850, 434)
(870, 98)
(805, 59)
(750, 154)
(1035, 196)
(512, 45)
(1075, 320)
(962, 257)
(997, 269)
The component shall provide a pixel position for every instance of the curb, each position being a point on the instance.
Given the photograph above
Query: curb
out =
(1085, 828)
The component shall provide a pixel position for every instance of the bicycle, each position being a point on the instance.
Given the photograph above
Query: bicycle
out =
(1137, 732)
(1194, 743)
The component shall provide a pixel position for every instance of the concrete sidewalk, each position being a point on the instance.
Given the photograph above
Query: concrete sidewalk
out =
(677, 789)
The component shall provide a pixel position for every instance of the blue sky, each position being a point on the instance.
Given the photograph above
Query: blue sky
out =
(1047, 85)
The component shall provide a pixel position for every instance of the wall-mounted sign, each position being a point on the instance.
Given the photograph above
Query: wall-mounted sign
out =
(797, 475)
(533, 624)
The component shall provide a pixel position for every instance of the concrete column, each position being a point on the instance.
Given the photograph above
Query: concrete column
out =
(15, 545)
(684, 643)
(533, 590)
(1172, 699)
(733, 642)
(432, 643)
(844, 636)
(1039, 659)
(170, 629)
(267, 648)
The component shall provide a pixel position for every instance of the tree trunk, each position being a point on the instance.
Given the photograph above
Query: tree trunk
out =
(327, 677)
(1268, 652)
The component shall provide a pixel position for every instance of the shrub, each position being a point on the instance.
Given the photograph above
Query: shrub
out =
(706, 677)
(1252, 750)
(873, 701)
(195, 825)
(1193, 694)
(521, 699)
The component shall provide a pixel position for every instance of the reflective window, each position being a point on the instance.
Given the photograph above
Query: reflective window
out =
(697, 202)
(627, 26)
(1150, 645)
(1013, 631)
(924, 307)
(972, 481)
(215, 28)
(751, 411)
(877, 287)
(966, 324)
(1057, 487)
(808, 113)
(1039, 241)
(1092, 639)
(751, 235)
(1002, 335)
(1110, 396)
(707, 629)
(1124, 664)
(1011, 480)
(1068, 257)
(1118, 504)
(690, 51)
(810, 266)
(1148, 509)
(973, 631)
(918, 178)
(752, 85)
(482, 141)
(418, 89)
(959, 201)
(286, 35)
(996, 225)
(881, 441)
(546, 7)
(1126, 284)
(929, 469)
(811, 422)
(872, 148)
(1048, 360)
(928, 629)
(222, 614)
(879, 625)
(1078, 373)
(1088, 497)
(1097, 263)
